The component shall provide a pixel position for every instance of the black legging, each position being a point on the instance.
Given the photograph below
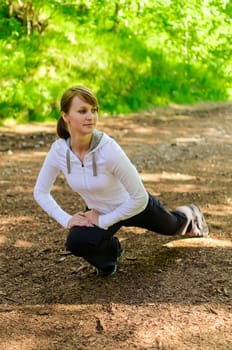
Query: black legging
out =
(100, 248)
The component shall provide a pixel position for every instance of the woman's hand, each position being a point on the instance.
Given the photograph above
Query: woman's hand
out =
(79, 219)
(93, 216)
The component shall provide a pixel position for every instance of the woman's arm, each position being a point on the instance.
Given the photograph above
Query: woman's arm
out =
(44, 183)
(122, 168)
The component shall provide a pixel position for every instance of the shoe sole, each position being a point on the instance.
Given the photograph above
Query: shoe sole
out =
(121, 254)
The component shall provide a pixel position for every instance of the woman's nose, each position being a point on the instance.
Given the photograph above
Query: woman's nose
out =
(90, 114)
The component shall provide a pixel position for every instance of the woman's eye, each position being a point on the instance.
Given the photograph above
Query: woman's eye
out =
(82, 111)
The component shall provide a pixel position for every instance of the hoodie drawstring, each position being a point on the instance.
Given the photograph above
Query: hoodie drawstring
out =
(68, 161)
(94, 164)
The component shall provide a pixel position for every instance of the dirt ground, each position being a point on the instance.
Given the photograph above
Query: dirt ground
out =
(169, 293)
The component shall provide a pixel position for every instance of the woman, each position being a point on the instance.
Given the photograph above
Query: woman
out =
(97, 168)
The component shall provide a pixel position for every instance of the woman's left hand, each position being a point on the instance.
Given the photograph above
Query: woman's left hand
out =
(93, 216)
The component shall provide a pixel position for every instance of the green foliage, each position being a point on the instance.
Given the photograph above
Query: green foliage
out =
(134, 54)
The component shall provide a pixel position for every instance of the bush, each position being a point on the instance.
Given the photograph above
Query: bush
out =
(134, 56)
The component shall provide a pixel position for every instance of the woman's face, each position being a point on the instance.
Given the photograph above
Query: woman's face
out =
(81, 117)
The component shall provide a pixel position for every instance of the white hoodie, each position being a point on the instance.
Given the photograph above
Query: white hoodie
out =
(106, 180)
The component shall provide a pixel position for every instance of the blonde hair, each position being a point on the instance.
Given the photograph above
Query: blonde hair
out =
(85, 94)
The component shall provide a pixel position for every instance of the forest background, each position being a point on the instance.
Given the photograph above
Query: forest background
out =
(135, 54)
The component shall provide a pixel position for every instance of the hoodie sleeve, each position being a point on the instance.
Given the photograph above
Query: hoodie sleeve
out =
(127, 174)
(42, 191)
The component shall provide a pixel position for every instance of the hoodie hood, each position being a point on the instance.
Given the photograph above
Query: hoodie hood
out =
(96, 139)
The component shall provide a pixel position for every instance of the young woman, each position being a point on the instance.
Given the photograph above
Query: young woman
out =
(96, 167)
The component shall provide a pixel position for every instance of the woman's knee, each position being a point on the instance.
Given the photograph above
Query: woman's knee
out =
(74, 241)
(83, 240)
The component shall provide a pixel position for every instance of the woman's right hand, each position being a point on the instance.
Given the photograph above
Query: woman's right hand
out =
(79, 219)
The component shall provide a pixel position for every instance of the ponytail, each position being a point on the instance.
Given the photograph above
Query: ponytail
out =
(61, 129)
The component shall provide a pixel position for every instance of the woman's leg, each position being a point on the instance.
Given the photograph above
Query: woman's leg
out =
(158, 219)
(101, 249)
(97, 246)
(186, 220)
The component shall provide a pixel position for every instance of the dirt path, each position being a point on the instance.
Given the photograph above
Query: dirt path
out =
(169, 293)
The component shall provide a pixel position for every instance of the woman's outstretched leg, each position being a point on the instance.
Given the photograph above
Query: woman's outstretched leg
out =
(185, 220)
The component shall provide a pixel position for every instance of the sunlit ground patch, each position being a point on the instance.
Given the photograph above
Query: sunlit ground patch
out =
(3, 239)
(23, 244)
(199, 242)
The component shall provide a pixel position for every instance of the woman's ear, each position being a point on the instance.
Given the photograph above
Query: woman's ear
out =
(64, 116)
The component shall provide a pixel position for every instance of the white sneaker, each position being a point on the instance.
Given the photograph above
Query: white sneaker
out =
(199, 226)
